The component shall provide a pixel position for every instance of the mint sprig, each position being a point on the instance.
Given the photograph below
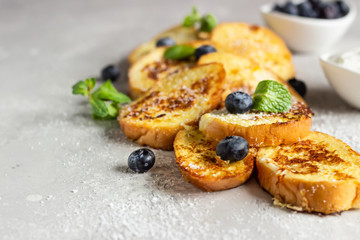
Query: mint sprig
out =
(207, 22)
(105, 101)
(179, 52)
(271, 96)
(191, 19)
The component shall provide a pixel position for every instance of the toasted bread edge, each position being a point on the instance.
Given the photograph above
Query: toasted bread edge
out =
(210, 184)
(298, 194)
(258, 135)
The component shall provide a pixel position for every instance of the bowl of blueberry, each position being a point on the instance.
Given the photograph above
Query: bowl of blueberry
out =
(310, 25)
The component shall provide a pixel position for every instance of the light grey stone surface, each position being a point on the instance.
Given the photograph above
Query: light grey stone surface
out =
(64, 175)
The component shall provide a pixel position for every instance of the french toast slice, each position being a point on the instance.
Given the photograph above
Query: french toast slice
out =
(317, 174)
(178, 33)
(242, 73)
(198, 163)
(173, 102)
(257, 43)
(146, 71)
(259, 128)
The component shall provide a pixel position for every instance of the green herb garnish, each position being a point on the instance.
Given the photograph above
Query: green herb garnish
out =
(191, 19)
(207, 22)
(179, 52)
(105, 101)
(271, 96)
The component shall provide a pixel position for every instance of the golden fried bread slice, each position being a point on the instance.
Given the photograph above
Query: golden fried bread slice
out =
(317, 174)
(242, 73)
(153, 66)
(198, 163)
(259, 128)
(145, 72)
(258, 43)
(178, 33)
(174, 101)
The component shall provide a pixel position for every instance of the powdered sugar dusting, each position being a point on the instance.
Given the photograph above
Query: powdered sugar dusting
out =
(51, 147)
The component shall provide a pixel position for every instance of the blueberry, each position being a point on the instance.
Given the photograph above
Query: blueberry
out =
(315, 3)
(344, 8)
(290, 8)
(165, 41)
(202, 50)
(330, 11)
(278, 8)
(238, 102)
(110, 72)
(298, 85)
(233, 148)
(141, 160)
(305, 9)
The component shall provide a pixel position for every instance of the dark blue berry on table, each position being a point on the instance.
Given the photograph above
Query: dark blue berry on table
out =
(232, 148)
(290, 8)
(202, 50)
(238, 102)
(298, 85)
(110, 72)
(165, 41)
(141, 160)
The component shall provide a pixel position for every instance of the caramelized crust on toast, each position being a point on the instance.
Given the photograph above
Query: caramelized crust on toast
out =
(178, 33)
(198, 163)
(317, 174)
(258, 43)
(146, 71)
(242, 73)
(173, 102)
(259, 128)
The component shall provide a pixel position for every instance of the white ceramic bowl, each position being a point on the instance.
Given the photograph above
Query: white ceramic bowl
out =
(303, 34)
(345, 82)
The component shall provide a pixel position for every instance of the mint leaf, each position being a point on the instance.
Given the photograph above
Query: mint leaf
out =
(207, 23)
(179, 52)
(113, 109)
(90, 83)
(84, 87)
(99, 108)
(108, 92)
(191, 19)
(271, 96)
(105, 101)
(80, 88)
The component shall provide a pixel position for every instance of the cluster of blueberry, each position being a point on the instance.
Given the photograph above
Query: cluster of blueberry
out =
(314, 9)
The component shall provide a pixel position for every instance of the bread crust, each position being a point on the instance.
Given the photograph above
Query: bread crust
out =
(256, 42)
(259, 135)
(187, 161)
(301, 194)
(139, 120)
(160, 137)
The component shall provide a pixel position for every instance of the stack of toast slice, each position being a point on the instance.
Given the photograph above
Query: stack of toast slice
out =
(180, 105)
(151, 67)
(173, 102)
